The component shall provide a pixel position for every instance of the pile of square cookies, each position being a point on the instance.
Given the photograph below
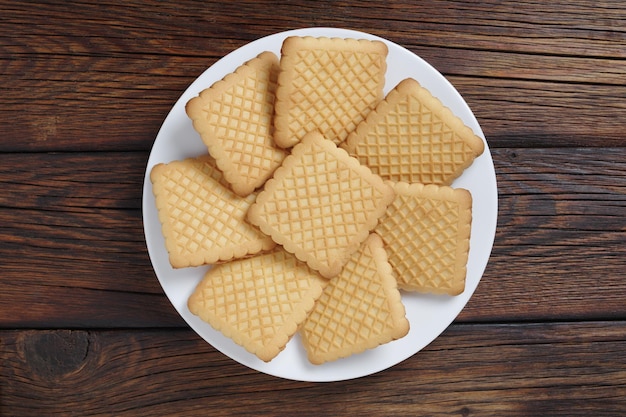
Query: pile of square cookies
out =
(319, 200)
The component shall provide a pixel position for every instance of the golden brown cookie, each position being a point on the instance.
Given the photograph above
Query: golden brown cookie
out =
(328, 85)
(361, 308)
(234, 120)
(321, 204)
(259, 302)
(412, 137)
(426, 232)
(202, 220)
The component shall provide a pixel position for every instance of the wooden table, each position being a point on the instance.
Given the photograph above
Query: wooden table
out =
(85, 328)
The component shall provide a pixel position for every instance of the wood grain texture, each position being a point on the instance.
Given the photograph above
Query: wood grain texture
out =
(63, 77)
(555, 213)
(560, 236)
(73, 182)
(482, 370)
(85, 328)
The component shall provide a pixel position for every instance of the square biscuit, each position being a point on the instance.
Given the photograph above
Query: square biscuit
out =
(202, 220)
(320, 204)
(234, 119)
(361, 308)
(412, 137)
(328, 85)
(258, 302)
(426, 231)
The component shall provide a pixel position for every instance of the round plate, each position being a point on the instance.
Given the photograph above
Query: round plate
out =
(429, 315)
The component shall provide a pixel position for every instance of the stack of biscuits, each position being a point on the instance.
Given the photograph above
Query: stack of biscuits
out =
(319, 200)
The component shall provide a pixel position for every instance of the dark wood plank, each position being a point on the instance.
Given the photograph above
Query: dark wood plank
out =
(521, 113)
(102, 111)
(94, 262)
(78, 182)
(106, 80)
(77, 307)
(559, 243)
(532, 26)
(118, 113)
(560, 237)
(561, 369)
(85, 250)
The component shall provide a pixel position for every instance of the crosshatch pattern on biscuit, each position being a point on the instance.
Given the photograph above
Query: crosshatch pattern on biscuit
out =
(359, 309)
(260, 301)
(426, 231)
(234, 118)
(327, 84)
(203, 221)
(412, 137)
(321, 204)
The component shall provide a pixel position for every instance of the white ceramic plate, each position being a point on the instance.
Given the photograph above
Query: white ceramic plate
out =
(428, 315)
